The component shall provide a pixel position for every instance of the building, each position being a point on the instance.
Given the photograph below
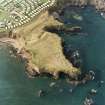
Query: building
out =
(2, 24)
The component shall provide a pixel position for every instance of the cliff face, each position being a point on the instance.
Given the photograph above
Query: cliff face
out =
(98, 4)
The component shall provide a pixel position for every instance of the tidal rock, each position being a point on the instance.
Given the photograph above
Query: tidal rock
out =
(101, 82)
(40, 93)
(88, 101)
(52, 84)
(93, 91)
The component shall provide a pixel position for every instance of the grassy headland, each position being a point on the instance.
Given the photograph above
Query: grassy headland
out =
(44, 48)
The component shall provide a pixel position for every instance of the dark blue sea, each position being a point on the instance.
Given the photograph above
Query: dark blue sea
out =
(17, 89)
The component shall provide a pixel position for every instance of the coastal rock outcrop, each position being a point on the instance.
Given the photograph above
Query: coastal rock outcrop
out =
(62, 4)
(43, 50)
(98, 4)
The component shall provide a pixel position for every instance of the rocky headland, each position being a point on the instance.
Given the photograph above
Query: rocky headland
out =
(43, 49)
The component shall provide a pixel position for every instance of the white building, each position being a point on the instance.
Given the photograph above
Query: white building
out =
(2, 24)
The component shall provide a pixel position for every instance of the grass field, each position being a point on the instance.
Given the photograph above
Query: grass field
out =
(45, 48)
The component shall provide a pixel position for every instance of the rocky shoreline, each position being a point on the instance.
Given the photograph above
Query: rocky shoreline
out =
(60, 6)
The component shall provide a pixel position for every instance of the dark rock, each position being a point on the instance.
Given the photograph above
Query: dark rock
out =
(63, 28)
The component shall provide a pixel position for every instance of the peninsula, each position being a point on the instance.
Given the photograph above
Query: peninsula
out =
(24, 22)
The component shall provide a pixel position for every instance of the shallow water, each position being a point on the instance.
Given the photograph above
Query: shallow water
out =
(17, 89)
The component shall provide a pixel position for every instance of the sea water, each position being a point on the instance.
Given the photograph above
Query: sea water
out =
(17, 89)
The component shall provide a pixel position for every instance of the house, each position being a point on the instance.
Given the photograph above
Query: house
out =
(2, 24)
